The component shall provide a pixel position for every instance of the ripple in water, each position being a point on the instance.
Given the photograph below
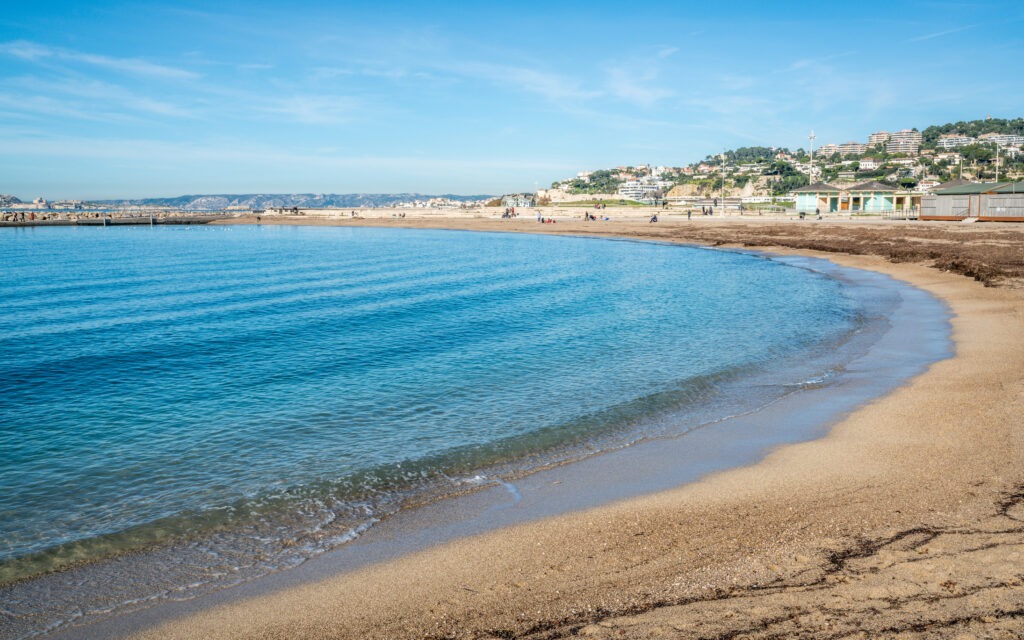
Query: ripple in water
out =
(236, 400)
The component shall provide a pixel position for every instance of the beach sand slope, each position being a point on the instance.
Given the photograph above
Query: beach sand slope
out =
(906, 521)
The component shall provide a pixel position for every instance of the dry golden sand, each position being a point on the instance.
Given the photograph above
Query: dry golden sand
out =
(907, 521)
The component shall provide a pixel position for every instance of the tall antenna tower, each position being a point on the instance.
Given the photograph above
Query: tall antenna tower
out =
(810, 174)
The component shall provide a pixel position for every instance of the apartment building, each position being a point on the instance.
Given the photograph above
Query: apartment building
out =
(904, 141)
(636, 190)
(1002, 139)
(853, 149)
(827, 150)
(954, 141)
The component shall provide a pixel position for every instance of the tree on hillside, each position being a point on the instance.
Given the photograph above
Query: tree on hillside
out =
(977, 153)
(787, 183)
(972, 128)
(601, 181)
(787, 177)
(748, 155)
(780, 168)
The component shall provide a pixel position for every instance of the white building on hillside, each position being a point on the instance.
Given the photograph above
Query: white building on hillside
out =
(827, 150)
(853, 149)
(642, 189)
(1002, 139)
(953, 141)
(519, 200)
(904, 141)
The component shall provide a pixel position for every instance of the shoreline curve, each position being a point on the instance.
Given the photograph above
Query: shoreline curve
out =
(935, 462)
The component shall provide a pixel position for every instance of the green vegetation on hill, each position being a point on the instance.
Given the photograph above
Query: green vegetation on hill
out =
(787, 177)
(973, 129)
(778, 176)
(602, 181)
(747, 155)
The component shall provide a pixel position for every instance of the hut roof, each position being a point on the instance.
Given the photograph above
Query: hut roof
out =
(871, 186)
(1010, 187)
(971, 188)
(815, 188)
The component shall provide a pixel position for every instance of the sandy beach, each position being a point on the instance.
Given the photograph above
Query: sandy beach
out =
(906, 521)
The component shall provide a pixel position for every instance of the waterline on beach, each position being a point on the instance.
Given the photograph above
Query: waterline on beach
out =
(670, 410)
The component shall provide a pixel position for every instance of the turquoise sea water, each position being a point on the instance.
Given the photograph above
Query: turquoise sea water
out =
(264, 393)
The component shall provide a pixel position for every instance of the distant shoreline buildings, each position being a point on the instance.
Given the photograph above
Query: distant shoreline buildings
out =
(907, 159)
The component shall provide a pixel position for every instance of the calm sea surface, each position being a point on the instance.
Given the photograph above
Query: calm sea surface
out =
(257, 394)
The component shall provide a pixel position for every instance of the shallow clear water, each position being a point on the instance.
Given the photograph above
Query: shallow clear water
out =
(277, 388)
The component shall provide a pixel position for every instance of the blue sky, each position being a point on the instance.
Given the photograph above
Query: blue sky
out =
(103, 100)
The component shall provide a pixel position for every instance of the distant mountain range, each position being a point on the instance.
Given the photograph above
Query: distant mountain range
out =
(301, 200)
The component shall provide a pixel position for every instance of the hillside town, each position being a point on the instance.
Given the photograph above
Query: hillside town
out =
(888, 171)
(907, 173)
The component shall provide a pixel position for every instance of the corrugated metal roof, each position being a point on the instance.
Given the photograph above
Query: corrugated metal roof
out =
(1010, 187)
(973, 188)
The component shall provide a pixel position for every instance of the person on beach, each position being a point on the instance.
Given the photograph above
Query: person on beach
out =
(689, 214)
(654, 218)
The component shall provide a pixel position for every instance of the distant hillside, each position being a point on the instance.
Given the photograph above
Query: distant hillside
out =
(6, 200)
(301, 200)
(760, 171)
(972, 128)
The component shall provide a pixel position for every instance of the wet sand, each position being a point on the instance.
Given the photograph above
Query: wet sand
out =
(906, 520)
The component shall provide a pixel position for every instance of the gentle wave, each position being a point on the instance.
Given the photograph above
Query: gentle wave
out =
(242, 399)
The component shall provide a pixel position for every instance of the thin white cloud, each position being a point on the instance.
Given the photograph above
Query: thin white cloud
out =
(269, 158)
(101, 95)
(638, 79)
(819, 62)
(329, 73)
(25, 50)
(551, 86)
(32, 51)
(314, 109)
(30, 108)
(639, 87)
(131, 66)
(939, 34)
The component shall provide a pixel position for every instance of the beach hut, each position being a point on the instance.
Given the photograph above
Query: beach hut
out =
(990, 201)
(867, 197)
(870, 197)
(817, 197)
